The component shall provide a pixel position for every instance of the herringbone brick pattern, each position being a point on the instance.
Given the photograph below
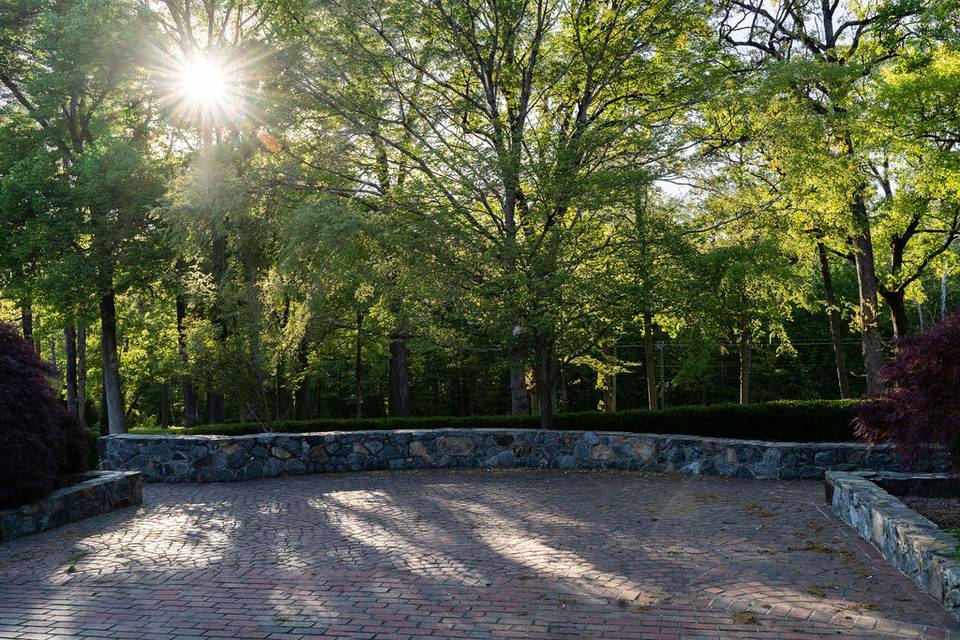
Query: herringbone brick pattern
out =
(463, 554)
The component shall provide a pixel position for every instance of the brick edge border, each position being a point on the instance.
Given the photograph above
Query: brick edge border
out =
(907, 540)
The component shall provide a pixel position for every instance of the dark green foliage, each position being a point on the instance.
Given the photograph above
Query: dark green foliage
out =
(786, 420)
(40, 442)
(93, 456)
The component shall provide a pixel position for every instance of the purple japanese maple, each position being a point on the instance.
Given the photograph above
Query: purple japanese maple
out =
(40, 442)
(920, 410)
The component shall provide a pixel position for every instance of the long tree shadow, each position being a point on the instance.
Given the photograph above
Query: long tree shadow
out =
(762, 545)
(724, 568)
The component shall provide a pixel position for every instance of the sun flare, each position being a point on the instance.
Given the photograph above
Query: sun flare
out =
(204, 89)
(204, 82)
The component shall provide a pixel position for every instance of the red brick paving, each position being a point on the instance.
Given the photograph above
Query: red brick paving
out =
(461, 554)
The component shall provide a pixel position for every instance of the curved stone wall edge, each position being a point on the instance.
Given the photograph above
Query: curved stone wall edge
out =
(218, 458)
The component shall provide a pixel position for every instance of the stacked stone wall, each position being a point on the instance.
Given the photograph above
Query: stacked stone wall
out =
(910, 542)
(91, 494)
(164, 458)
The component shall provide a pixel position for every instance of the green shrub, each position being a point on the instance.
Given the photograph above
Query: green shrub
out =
(782, 420)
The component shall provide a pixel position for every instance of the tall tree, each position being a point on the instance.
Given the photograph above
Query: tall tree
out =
(511, 118)
(208, 67)
(917, 134)
(815, 59)
(67, 68)
(747, 291)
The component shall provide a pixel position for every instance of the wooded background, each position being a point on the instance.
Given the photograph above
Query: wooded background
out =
(429, 207)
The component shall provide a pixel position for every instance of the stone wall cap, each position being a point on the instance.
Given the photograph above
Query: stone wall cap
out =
(872, 476)
(93, 478)
(466, 430)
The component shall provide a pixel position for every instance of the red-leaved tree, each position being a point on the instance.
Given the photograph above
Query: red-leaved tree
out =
(40, 442)
(920, 410)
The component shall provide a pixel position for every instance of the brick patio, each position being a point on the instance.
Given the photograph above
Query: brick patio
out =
(463, 555)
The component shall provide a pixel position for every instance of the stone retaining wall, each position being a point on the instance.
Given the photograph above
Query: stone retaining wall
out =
(95, 492)
(919, 485)
(164, 458)
(910, 542)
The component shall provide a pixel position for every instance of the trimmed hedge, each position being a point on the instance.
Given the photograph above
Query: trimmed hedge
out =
(782, 421)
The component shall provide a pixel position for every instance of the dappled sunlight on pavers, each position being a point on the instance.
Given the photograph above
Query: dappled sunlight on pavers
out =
(373, 522)
(457, 554)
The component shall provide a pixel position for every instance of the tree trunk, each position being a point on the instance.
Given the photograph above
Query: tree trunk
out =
(304, 399)
(867, 285)
(215, 407)
(896, 300)
(219, 248)
(943, 294)
(82, 375)
(113, 396)
(518, 383)
(544, 375)
(510, 172)
(53, 354)
(649, 361)
(104, 423)
(358, 365)
(70, 337)
(281, 391)
(189, 397)
(610, 382)
(26, 319)
(836, 331)
(744, 348)
(663, 374)
(164, 405)
(400, 376)
(459, 395)
(302, 396)
(559, 394)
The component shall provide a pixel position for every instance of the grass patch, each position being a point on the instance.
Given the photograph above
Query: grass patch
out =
(759, 511)
(956, 536)
(815, 547)
(76, 556)
(710, 498)
(820, 590)
(744, 617)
